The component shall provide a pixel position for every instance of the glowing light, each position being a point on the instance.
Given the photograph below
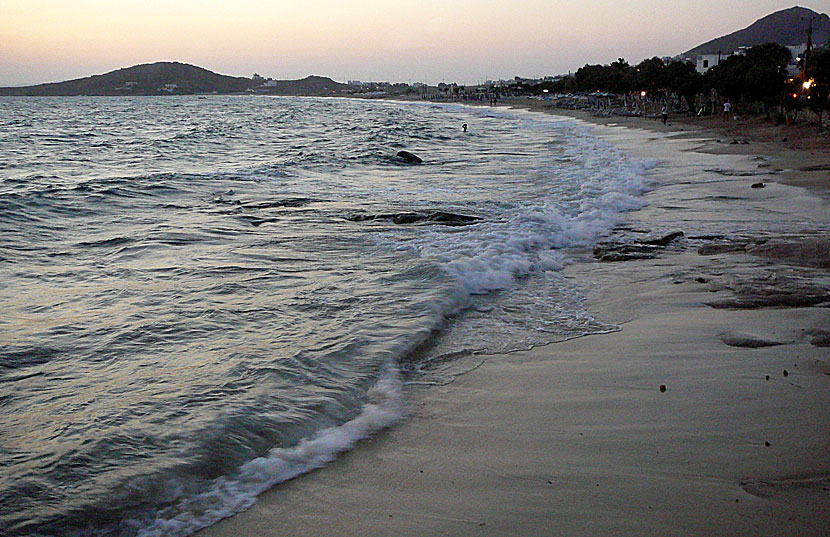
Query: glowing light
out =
(642, 94)
(807, 83)
(795, 96)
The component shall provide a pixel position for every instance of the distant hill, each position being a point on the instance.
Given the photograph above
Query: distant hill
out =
(310, 85)
(160, 78)
(786, 27)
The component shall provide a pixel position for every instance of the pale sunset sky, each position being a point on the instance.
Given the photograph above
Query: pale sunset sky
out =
(427, 40)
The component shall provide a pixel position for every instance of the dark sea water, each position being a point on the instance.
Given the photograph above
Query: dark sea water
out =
(196, 301)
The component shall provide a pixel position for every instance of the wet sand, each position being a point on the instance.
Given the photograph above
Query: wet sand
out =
(704, 414)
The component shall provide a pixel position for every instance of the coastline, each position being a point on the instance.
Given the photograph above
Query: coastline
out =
(798, 152)
(577, 438)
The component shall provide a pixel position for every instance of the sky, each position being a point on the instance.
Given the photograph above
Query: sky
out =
(463, 41)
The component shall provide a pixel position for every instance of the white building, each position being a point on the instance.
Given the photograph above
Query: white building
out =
(707, 61)
(798, 54)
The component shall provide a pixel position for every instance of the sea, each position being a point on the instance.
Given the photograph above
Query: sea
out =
(202, 297)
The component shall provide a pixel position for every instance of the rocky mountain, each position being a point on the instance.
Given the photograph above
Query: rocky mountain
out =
(787, 27)
(161, 78)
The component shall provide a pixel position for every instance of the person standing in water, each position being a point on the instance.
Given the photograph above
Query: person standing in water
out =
(464, 126)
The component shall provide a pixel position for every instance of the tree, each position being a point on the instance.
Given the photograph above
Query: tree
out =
(765, 73)
(758, 76)
(727, 77)
(650, 75)
(819, 92)
(684, 80)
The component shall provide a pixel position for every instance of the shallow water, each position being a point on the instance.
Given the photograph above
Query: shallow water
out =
(197, 302)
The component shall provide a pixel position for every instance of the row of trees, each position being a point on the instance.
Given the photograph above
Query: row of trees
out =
(757, 77)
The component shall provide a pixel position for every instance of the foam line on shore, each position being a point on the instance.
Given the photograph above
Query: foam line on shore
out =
(228, 496)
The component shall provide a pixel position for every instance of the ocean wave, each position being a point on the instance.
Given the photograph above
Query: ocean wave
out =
(194, 326)
(229, 495)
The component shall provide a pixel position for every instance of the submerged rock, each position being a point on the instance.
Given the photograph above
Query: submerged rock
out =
(724, 247)
(807, 251)
(646, 248)
(288, 202)
(435, 217)
(789, 298)
(663, 240)
(610, 252)
(408, 158)
(747, 341)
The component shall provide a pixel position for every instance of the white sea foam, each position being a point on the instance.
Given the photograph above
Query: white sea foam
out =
(584, 204)
(591, 185)
(230, 495)
(541, 186)
(581, 185)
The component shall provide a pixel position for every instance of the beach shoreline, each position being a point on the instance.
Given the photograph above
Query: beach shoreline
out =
(799, 152)
(699, 416)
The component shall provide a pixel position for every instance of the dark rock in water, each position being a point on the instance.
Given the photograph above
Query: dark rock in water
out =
(734, 173)
(610, 252)
(406, 218)
(747, 341)
(288, 202)
(664, 240)
(646, 248)
(436, 217)
(722, 248)
(452, 219)
(777, 300)
(779, 287)
(758, 185)
(808, 251)
(256, 222)
(408, 158)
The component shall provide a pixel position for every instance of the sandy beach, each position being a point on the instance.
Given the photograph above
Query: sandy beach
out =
(705, 413)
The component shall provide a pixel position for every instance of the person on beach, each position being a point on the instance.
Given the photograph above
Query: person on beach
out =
(727, 110)
(665, 114)
(464, 126)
